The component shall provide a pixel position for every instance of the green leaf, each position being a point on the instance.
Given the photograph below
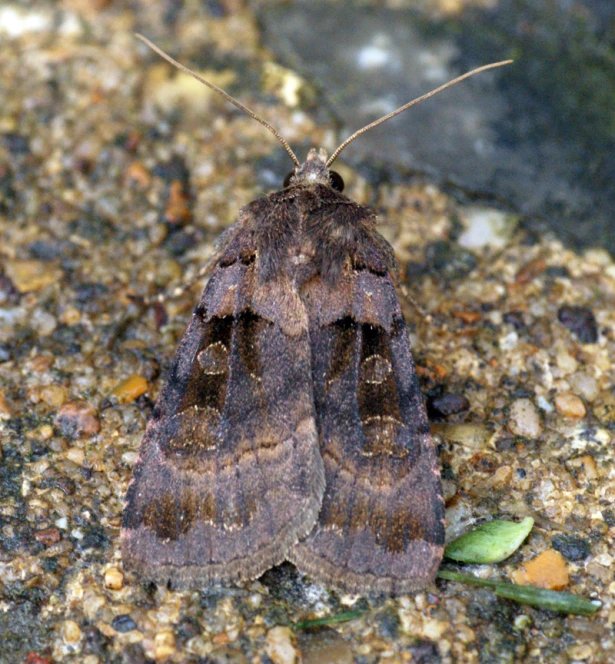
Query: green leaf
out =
(329, 620)
(538, 597)
(490, 543)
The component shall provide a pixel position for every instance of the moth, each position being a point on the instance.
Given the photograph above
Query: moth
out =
(291, 425)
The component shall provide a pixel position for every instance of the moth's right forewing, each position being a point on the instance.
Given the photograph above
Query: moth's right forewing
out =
(380, 528)
(229, 474)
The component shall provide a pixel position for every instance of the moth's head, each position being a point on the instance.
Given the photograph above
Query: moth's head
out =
(314, 170)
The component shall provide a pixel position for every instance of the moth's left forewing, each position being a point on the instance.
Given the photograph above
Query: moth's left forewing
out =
(381, 524)
(229, 473)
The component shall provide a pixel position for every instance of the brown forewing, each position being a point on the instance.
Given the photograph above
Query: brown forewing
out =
(381, 523)
(229, 473)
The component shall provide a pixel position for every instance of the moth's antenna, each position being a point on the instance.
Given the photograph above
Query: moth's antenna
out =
(226, 96)
(405, 107)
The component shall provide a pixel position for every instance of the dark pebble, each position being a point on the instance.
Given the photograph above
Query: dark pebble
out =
(608, 517)
(96, 643)
(123, 623)
(514, 318)
(425, 652)
(187, 628)
(180, 241)
(94, 537)
(65, 484)
(87, 291)
(557, 271)
(447, 404)
(581, 321)
(215, 8)
(5, 352)
(446, 260)
(16, 143)
(388, 624)
(8, 291)
(45, 250)
(571, 546)
(174, 169)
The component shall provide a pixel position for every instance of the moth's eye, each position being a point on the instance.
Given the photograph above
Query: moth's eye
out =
(287, 179)
(336, 181)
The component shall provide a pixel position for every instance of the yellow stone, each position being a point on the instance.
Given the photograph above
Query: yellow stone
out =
(71, 632)
(164, 645)
(114, 579)
(569, 405)
(130, 389)
(31, 275)
(280, 646)
(54, 395)
(76, 455)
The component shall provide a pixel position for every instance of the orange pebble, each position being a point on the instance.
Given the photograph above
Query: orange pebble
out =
(130, 388)
(548, 570)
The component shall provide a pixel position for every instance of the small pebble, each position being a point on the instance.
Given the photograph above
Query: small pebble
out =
(130, 388)
(571, 546)
(70, 316)
(48, 536)
(137, 172)
(71, 632)
(76, 419)
(485, 226)
(226, 655)
(424, 651)
(280, 647)
(502, 477)
(548, 570)
(40, 363)
(6, 412)
(580, 652)
(114, 579)
(178, 209)
(33, 658)
(569, 405)
(447, 404)
(530, 271)
(54, 395)
(604, 407)
(584, 385)
(524, 419)
(164, 645)
(31, 275)
(222, 638)
(586, 467)
(566, 362)
(324, 647)
(474, 436)
(90, 659)
(435, 629)
(76, 455)
(43, 322)
(123, 623)
(581, 321)
(539, 333)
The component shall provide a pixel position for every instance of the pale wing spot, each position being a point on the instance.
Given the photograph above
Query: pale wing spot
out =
(381, 437)
(193, 430)
(214, 359)
(376, 369)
